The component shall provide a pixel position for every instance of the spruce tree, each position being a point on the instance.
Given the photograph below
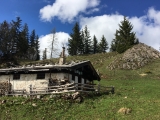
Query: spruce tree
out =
(81, 44)
(14, 40)
(32, 52)
(73, 41)
(95, 45)
(87, 41)
(103, 45)
(5, 40)
(23, 42)
(124, 37)
(16, 35)
(32, 38)
(37, 48)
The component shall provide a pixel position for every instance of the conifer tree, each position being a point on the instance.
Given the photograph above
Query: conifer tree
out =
(24, 41)
(81, 43)
(95, 45)
(16, 35)
(32, 53)
(37, 48)
(103, 45)
(32, 38)
(124, 37)
(14, 40)
(73, 41)
(87, 41)
(5, 39)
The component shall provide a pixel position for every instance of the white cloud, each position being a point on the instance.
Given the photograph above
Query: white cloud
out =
(102, 25)
(45, 42)
(154, 15)
(147, 27)
(67, 10)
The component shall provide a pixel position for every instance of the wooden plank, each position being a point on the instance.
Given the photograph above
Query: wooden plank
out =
(38, 90)
(85, 84)
(61, 85)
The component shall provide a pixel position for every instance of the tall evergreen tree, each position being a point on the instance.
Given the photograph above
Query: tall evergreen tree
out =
(81, 43)
(87, 41)
(23, 43)
(16, 34)
(14, 40)
(32, 46)
(73, 41)
(5, 39)
(37, 48)
(95, 45)
(124, 37)
(103, 45)
(32, 38)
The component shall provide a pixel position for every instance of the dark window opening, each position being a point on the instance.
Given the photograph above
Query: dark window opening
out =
(41, 76)
(16, 76)
(79, 79)
(73, 77)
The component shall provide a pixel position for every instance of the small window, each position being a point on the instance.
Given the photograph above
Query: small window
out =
(41, 76)
(16, 76)
(73, 77)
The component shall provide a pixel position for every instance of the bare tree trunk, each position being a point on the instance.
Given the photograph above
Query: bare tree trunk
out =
(53, 40)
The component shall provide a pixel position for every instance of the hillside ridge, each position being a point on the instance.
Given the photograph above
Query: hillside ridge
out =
(136, 57)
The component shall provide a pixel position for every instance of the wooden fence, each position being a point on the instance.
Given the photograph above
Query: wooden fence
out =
(70, 87)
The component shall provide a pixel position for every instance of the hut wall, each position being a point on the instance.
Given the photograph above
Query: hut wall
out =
(31, 79)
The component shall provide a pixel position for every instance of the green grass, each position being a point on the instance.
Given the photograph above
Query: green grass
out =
(139, 93)
(142, 96)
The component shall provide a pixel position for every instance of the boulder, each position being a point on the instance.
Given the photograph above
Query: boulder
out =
(124, 110)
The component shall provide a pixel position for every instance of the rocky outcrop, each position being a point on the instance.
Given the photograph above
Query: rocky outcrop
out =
(135, 57)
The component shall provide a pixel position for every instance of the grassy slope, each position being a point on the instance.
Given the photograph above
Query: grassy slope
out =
(141, 94)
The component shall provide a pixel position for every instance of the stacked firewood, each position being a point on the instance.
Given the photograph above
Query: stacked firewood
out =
(5, 87)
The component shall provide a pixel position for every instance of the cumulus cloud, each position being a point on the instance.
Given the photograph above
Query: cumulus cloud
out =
(102, 25)
(67, 10)
(147, 27)
(154, 15)
(61, 40)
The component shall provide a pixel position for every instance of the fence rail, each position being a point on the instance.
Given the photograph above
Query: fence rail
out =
(72, 87)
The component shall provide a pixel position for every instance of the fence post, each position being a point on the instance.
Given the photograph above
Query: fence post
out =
(30, 89)
(98, 86)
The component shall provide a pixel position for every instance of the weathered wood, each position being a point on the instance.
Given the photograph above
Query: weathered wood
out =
(5, 87)
(22, 91)
(67, 88)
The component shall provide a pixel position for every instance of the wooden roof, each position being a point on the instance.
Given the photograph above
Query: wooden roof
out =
(74, 67)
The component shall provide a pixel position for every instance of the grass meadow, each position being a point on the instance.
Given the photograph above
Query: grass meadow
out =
(141, 94)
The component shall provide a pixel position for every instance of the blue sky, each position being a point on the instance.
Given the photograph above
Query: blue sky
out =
(101, 17)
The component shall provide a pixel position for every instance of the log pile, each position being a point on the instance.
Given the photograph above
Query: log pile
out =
(5, 87)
